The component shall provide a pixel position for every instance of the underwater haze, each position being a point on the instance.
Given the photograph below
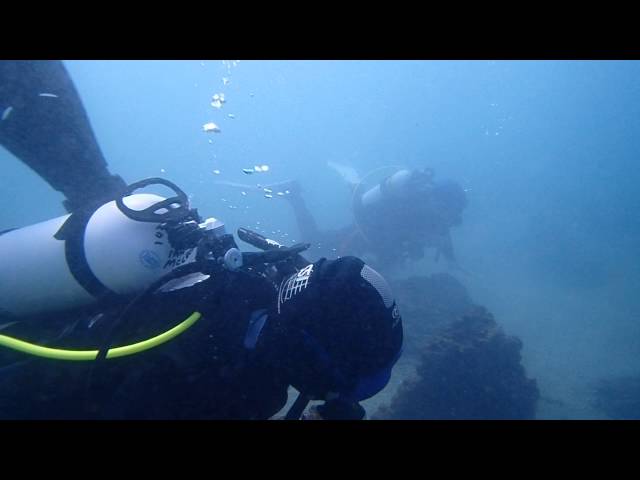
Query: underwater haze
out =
(547, 152)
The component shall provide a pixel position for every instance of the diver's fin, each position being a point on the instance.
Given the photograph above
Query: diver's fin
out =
(48, 129)
(349, 174)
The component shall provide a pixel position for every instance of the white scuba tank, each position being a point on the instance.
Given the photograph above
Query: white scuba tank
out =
(394, 185)
(124, 255)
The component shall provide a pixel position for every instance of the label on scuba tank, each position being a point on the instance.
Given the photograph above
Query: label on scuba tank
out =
(178, 258)
(150, 259)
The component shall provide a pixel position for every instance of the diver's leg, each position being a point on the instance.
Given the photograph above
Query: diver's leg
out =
(305, 221)
(346, 239)
(45, 125)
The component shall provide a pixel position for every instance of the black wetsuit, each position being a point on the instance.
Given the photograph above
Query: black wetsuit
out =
(236, 362)
(211, 371)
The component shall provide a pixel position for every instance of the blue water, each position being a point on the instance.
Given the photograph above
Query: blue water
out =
(547, 150)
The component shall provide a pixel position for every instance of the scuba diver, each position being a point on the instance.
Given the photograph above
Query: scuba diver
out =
(133, 306)
(395, 220)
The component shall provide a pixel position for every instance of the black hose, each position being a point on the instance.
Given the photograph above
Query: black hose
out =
(122, 317)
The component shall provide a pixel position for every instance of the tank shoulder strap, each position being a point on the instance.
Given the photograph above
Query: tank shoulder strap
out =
(72, 233)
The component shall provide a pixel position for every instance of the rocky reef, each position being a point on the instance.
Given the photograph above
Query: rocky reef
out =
(428, 303)
(467, 367)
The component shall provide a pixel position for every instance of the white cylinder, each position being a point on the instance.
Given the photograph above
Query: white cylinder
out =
(125, 255)
(394, 185)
